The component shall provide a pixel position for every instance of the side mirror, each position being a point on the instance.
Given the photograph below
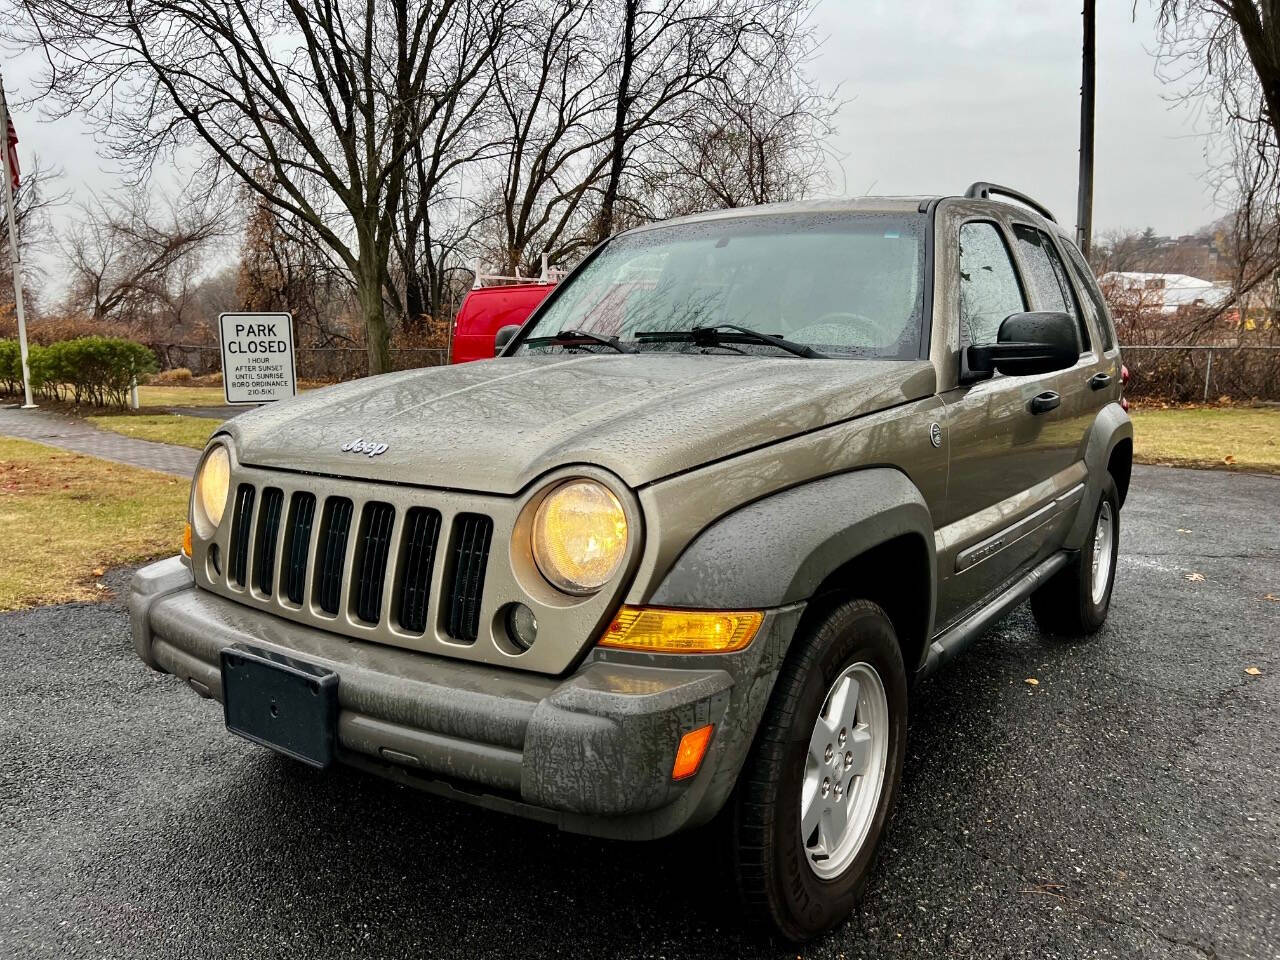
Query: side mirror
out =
(504, 336)
(1027, 344)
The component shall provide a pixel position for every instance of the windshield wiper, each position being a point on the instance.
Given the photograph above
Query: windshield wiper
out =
(569, 338)
(713, 335)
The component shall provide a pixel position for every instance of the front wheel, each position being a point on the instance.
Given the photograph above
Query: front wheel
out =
(1075, 601)
(821, 782)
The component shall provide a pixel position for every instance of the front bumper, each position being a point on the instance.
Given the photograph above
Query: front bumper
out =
(591, 751)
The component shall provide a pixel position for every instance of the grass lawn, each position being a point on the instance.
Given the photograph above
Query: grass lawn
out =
(69, 517)
(169, 396)
(1234, 438)
(160, 427)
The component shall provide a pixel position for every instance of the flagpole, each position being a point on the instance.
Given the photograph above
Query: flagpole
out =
(14, 254)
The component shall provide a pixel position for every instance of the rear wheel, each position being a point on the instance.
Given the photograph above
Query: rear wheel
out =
(1075, 601)
(821, 782)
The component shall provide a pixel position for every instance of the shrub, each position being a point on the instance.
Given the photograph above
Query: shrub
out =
(176, 375)
(10, 367)
(96, 370)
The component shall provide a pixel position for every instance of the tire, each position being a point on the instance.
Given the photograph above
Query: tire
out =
(778, 878)
(1068, 604)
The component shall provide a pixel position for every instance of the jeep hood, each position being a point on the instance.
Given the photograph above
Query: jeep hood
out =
(496, 425)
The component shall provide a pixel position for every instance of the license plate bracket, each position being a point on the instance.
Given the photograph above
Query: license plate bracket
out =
(286, 704)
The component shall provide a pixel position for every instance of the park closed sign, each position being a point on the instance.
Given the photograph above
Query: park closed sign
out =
(257, 357)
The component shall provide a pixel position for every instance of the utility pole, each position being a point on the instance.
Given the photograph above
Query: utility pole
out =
(1084, 202)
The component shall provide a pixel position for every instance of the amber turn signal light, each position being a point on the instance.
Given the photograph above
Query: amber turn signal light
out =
(660, 630)
(693, 747)
(186, 540)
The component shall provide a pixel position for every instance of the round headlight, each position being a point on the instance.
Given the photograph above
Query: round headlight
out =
(213, 483)
(579, 536)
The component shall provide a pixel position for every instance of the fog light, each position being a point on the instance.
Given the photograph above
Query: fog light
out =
(522, 626)
(693, 747)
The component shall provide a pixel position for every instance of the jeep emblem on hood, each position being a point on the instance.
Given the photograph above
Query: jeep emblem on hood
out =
(361, 445)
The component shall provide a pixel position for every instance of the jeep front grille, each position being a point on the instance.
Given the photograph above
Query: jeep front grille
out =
(339, 563)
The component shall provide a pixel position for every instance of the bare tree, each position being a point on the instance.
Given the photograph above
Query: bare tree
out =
(1229, 52)
(133, 259)
(753, 131)
(328, 96)
(437, 219)
(284, 267)
(35, 196)
(1226, 54)
(595, 93)
(760, 139)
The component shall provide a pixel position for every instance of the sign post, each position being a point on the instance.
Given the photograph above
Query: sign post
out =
(257, 357)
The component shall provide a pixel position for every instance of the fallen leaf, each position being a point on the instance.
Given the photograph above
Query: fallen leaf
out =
(1195, 577)
(1033, 681)
(1228, 459)
(1253, 671)
(98, 571)
(1181, 530)
(1271, 597)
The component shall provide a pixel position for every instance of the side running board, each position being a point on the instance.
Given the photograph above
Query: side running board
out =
(949, 643)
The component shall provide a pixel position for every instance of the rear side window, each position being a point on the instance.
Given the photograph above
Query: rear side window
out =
(1093, 296)
(989, 286)
(1049, 275)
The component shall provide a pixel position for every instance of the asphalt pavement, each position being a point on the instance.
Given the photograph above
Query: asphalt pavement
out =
(1126, 805)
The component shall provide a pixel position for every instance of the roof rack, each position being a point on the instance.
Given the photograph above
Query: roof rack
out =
(549, 275)
(984, 191)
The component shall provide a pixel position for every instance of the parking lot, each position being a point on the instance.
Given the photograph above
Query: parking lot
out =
(1127, 804)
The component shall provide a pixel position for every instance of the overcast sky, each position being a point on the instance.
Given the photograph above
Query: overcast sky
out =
(940, 94)
(946, 93)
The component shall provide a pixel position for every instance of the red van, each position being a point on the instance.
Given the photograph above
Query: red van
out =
(493, 303)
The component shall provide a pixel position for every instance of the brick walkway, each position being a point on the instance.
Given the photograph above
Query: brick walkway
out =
(71, 434)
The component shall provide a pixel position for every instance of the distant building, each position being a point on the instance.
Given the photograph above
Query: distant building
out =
(1168, 293)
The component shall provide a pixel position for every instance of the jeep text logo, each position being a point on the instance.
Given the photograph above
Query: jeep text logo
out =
(361, 445)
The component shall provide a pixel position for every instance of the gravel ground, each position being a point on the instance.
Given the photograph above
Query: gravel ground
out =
(1126, 806)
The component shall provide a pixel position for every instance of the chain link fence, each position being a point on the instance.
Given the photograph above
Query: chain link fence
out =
(1187, 374)
(1178, 374)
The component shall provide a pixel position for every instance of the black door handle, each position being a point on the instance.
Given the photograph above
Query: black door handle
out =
(1100, 380)
(1044, 402)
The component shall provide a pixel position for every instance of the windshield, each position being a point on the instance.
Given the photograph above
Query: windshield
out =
(848, 285)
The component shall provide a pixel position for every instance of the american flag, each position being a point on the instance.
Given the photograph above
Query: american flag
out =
(13, 149)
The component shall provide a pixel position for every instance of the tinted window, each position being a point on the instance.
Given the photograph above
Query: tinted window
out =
(849, 285)
(989, 287)
(1048, 275)
(1093, 296)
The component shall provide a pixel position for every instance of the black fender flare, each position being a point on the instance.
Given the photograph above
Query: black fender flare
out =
(1110, 426)
(779, 549)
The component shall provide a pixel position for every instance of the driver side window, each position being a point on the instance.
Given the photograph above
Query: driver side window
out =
(989, 285)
